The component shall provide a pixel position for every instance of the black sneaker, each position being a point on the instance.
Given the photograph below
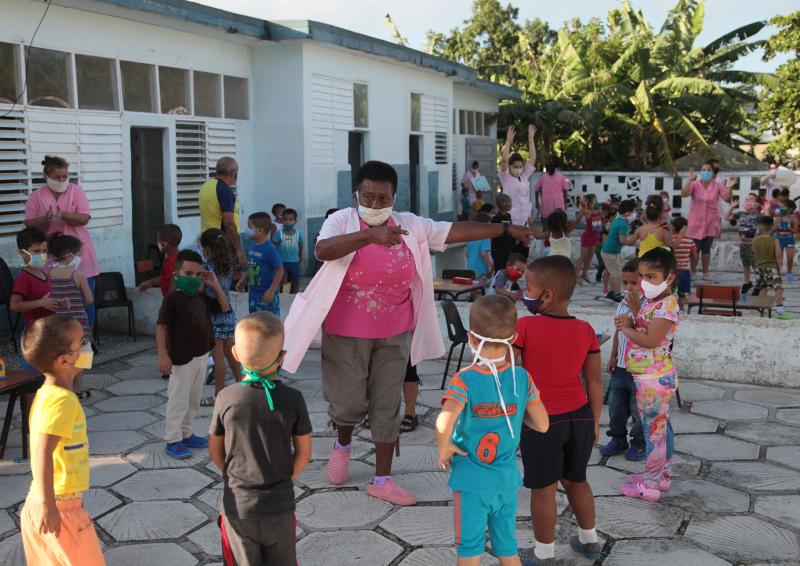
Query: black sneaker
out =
(616, 297)
(746, 288)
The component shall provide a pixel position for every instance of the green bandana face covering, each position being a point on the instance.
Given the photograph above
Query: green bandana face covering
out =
(187, 284)
(255, 376)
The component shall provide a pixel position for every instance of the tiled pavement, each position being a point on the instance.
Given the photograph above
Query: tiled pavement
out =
(735, 498)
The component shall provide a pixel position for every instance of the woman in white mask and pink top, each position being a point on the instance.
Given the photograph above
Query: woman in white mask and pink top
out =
(371, 306)
(62, 206)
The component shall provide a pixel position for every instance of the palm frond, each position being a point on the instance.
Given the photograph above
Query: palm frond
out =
(739, 34)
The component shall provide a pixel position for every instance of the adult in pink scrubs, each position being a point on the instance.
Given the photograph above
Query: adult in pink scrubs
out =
(704, 216)
(62, 206)
(372, 300)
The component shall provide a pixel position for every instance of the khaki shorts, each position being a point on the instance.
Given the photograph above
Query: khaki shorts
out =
(362, 376)
(613, 263)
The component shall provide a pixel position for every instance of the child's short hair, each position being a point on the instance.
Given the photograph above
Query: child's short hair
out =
(631, 266)
(260, 220)
(464, 191)
(28, 237)
(776, 193)
(474, 164)
(557, 221)
(276, 207)
(171, 234)
(662, 259)
(679, 223)
(268, 329)
(290, 212)
(47, 339)
(187, 255)
(478, 195)
(791, 205)
(515, 258)
(488, 208)
(765, 221)
(502, 197)
(515, 158)
(493, 316)
(483, 217)
(554, 272)
(626, 206)
(61, 245)
(654, 207)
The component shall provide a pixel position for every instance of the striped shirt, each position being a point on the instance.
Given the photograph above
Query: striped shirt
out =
(623, 309)
(70, 297)
(683, 253)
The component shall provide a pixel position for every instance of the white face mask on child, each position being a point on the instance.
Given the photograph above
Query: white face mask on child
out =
(652, 291)
(491, 363)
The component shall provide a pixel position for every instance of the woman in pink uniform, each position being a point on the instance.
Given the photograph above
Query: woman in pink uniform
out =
(373, 301)
(704, 216)
(515, 175)
(551, 190)
(62, 206)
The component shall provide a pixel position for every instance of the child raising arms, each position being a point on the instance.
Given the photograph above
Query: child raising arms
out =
(648, 357)
(480, 426)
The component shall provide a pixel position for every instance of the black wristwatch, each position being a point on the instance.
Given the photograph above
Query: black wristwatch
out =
(506, 225)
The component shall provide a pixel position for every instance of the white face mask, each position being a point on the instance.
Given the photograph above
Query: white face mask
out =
(491, 363)
(652, 291)
(374, 216)
(75, 262)
(57, 186)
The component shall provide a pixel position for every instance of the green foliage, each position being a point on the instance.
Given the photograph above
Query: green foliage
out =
(615, 94)
(779, 108)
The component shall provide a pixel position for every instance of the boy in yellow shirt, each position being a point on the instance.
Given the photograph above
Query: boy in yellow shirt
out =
(56, 529)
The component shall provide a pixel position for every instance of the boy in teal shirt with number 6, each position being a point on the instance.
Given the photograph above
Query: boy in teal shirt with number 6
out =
(480, 427)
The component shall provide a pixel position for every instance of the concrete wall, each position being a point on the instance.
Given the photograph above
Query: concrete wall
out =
(752, 350)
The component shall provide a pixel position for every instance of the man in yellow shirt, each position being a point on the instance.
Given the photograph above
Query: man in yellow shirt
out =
(56, 529)
(218, 205)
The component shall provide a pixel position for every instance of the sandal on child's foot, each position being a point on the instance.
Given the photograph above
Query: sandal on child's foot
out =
(84, 394)
(409, 423)
(640, 491)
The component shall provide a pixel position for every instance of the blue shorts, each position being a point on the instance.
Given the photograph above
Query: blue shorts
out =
(684, 283)
(474, 511)
(255, 304)
(292, 269)
(786, 241)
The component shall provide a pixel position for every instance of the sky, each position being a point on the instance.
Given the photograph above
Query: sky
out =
(415, 17)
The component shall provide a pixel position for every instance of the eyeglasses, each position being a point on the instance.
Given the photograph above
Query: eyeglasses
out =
(84, 342)
(373, 201)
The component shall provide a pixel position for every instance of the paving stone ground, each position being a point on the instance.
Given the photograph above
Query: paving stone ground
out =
(734, 499)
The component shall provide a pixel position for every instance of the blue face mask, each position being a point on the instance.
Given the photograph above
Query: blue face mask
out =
(288, 225)
(36, 261)
(706, 176)
(533, 305)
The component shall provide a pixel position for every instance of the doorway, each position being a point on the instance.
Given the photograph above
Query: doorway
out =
(355, 152)
(414, 146)
(147, 192)
(484, 151)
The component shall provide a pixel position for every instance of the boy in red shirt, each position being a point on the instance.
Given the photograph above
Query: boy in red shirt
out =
(168, 238)
(556, 349)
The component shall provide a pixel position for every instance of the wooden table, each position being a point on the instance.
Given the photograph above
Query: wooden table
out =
(19, 384)
(446, 287)
(760, 303)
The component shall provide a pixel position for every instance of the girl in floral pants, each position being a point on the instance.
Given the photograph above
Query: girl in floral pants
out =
(648, 357)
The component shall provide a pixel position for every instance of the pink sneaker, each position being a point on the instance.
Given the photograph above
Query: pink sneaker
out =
(392, 493)
(639, 491)
(663, 485)
(338, 465)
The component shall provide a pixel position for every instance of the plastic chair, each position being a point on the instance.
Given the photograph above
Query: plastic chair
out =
(457, 334)
(723, 297)
(450, 273)
(6, 285)
(110, 293)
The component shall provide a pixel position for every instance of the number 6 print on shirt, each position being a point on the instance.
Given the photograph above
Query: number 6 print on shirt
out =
(487, 447)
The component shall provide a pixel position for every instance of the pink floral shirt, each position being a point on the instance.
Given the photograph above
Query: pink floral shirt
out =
(658, 360)
(374, 300)
(72, 200)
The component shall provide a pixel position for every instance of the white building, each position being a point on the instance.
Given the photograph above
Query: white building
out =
(143, 96)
